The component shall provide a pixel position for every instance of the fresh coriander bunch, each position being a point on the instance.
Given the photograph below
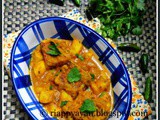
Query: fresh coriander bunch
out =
(118, 17)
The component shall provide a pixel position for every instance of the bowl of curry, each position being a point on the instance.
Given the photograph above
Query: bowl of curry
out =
(61, 69)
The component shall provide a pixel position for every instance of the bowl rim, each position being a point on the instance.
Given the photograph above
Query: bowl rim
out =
(41, 20)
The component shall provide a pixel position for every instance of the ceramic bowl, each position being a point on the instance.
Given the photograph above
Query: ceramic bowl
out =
(58, 27)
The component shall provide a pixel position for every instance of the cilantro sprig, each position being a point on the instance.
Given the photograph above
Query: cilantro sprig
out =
(102, 94)
(88, 106)
(92, 76)
(63, 103)
(51, 87)
(118, 17)
(74, 75)
(53, 50)
(80, 57)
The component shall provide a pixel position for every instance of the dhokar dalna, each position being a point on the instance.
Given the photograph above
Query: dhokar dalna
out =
(68, 78)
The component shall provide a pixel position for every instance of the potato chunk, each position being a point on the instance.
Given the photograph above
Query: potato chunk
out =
(39, 68)
(88, 54)
(95, 88)
(99, 86)
(39, 89)
(76, 47)
(58, 81)
(65, 96)
(58, 60)
(37, 54)
(46, 96)
(53, 108)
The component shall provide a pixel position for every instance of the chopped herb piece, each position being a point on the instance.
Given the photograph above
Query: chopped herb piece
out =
(88, 106)
(53, 50)
(63, 103)
(51, 87)
(74, 75)
(53, 53)
(58, 73)
(56, 44)
(80, 57)
(52, 71)
(92, 76)
(140, 4)
(137, 31)
(77, 2)
(102, 94)
(88, 89)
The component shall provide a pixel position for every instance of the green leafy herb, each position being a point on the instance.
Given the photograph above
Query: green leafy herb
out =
(51, 87)
(63, 103)
(77, 2)
(140, 4)
(52, 71)
(117, 17)
(57, 44)
(88, 89)
(102, 94)
(58, 73)
(137, 31)
(80, 57)
(74, 75)
(53, 49)
(92, 76)
(88, 106)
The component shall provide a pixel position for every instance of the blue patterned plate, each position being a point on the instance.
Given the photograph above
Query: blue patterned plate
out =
(58, 27)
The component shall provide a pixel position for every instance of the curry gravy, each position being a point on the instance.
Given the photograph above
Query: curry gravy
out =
(67, 77)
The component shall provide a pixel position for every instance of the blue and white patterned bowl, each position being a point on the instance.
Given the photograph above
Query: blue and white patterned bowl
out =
(58, 27)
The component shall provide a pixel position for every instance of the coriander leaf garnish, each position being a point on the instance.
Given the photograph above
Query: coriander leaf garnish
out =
(50, 87)
(92, 76)
(80, 57)
(88, 106)
(117, 17)
(58, 73)
(140, 4)
(57, 44)
(63, 103)
(53, 50)
(74, 75)
(88, 89)
(53, 53)
(102, 94)
(137, 31)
